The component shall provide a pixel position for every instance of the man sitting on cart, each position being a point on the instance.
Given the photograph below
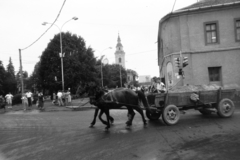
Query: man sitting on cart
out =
(157, 86)
(160, 86)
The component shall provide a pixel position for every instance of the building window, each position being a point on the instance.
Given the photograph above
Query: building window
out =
(119, 60)
(214, 74)
(237, 29)
(211, 33)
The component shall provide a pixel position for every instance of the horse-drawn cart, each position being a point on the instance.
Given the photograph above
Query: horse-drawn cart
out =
(170, 104)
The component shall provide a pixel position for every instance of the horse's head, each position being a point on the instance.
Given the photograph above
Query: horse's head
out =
(95, 93)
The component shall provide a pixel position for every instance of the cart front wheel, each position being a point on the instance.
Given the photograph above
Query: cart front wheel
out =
(171, 115)
(225, 108)
(153, 115)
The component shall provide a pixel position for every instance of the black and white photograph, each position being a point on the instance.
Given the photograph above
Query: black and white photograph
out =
(120, 80)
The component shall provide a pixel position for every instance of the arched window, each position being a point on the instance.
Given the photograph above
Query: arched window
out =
(119, 60)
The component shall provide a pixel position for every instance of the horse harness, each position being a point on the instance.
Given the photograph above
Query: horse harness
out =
(114, 100)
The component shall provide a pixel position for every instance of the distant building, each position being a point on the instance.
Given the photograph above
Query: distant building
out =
(144, 80)
(208, 34)
(119, 53)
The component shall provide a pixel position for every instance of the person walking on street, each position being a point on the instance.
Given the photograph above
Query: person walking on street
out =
(40, 100)
(25, 102)
(2, 103)
(9, 97)
(69, 98)
(59, 95)
(29, 98)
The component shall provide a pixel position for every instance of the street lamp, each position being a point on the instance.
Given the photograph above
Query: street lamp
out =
(120, 66)
(61, 54)
(101, 64)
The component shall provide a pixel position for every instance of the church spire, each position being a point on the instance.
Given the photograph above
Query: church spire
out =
(119, 53)
(119, 40)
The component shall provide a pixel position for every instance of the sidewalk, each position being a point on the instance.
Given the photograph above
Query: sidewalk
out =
(76, 105)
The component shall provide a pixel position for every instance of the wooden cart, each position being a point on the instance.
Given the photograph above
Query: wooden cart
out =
(170, 104)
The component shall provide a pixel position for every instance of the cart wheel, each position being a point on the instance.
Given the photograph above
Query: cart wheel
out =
(153, 115)
(225, 108)
(171, 115)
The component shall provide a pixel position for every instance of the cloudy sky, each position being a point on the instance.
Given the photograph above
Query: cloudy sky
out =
(99, 22)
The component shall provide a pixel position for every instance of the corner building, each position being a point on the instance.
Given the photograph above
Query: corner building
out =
(208, 34)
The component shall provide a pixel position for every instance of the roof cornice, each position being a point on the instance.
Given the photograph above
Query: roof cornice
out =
(200, 10)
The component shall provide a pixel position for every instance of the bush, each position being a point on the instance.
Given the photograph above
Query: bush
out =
(17, 99)
(35, 98)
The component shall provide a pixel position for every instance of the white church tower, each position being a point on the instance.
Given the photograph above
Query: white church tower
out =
(119, 53)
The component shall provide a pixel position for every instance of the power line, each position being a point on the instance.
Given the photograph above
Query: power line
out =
(48, 28)
(135, 53)
(173, 5)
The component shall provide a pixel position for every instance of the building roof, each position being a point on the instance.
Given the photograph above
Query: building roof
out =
(119, 44)
(209, 3)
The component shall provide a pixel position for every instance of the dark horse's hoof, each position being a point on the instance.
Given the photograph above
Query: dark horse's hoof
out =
(91, 126)
(112, 121)
(128, 123)
(106, 128)
(128, 127)
(105, 122)
(145, 123)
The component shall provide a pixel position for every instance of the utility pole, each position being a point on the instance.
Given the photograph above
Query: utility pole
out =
(21, 72)
(120, 75)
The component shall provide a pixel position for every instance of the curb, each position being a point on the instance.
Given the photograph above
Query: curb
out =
(51, 109)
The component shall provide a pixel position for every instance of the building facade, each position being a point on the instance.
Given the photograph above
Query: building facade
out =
(208, 34)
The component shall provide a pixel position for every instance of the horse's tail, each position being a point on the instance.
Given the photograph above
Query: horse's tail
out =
(142, 97)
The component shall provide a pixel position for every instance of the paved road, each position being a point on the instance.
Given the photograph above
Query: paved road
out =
(67, 136)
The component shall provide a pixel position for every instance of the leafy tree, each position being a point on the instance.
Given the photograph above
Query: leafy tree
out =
(10, 68)
(2, 78)
(135, 75)
(33, 82)
(111, 75)
(10, 79)
(25, 79)
(78, 63)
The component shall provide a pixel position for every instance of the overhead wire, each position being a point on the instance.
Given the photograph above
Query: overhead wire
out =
(173, 5)
(47, 28)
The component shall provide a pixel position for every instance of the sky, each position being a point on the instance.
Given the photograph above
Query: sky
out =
(99, 23)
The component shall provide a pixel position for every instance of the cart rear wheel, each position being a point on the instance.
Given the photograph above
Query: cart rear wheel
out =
(153, 115)
(171, 115)
(225, 108)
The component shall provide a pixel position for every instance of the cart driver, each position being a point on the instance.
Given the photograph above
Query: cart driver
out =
(160, 86)
(153, 87)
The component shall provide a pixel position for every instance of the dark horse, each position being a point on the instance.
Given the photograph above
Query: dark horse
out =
(116, 99)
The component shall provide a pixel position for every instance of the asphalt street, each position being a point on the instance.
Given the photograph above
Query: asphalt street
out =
(65, 135)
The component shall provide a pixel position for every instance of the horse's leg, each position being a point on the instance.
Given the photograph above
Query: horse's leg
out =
(100, 117)
(131, 115)
(140, 111)
(108, 117)
(111, 119)
(94, 118)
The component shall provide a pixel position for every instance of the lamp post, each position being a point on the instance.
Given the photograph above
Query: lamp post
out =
(61, 54)
(101, 63)
(120, 66)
